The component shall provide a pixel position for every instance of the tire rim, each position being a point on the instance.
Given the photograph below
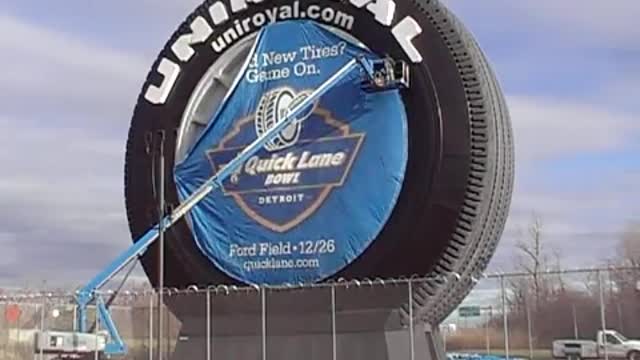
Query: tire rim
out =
(214, 86)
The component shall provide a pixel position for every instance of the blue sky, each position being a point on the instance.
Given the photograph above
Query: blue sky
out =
(72, 72)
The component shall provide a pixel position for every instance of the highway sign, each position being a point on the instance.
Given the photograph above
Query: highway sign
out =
(469, 311)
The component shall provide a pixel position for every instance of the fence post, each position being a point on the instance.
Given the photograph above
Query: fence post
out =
(486, 328)
(96, 353)
(602, 315)
(16, 346)
(529, 335)
(208, 312)
(334, 338)
(264, 322)
(411, 330)
(151, 344)
(75, 318)
(620, 319)
(575, 322)
(167, 330)
(43, 310)
(505, 318)
(4, 331)
(444, 340)
(161, 230)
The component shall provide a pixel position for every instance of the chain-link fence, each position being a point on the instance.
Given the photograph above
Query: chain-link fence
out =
(512, 315)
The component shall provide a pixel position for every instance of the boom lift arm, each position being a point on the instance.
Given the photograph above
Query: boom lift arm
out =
(379, 75)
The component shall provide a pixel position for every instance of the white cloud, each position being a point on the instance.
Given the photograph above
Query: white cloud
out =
(624, 91)
(609, 24)
(171, 7)
(64, 117)
(25, 42)
(8, 245)
(583, 224)
(47, 72)
(60, 178)
(581, 23)
(547, 128)
(582, 209)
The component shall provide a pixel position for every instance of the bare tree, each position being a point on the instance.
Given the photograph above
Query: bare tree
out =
(623, 297)
(629, 246)
(625, 282)
(553, 300)
(533, 258)
(557, 257)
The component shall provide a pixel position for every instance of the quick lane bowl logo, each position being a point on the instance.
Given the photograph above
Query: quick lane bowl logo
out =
(289, 179)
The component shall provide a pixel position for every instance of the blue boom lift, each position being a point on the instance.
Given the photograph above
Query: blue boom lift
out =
(378, 75)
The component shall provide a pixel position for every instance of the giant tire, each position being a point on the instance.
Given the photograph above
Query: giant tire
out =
(456, 195)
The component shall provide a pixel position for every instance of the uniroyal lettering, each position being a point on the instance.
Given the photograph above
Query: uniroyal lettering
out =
(169, 71)
(404, 32)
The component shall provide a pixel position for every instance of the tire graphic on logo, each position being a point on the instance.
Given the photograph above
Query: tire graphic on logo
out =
(457, 187)
(273, 107)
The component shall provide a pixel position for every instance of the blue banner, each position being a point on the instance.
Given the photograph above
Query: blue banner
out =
(314, 198)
